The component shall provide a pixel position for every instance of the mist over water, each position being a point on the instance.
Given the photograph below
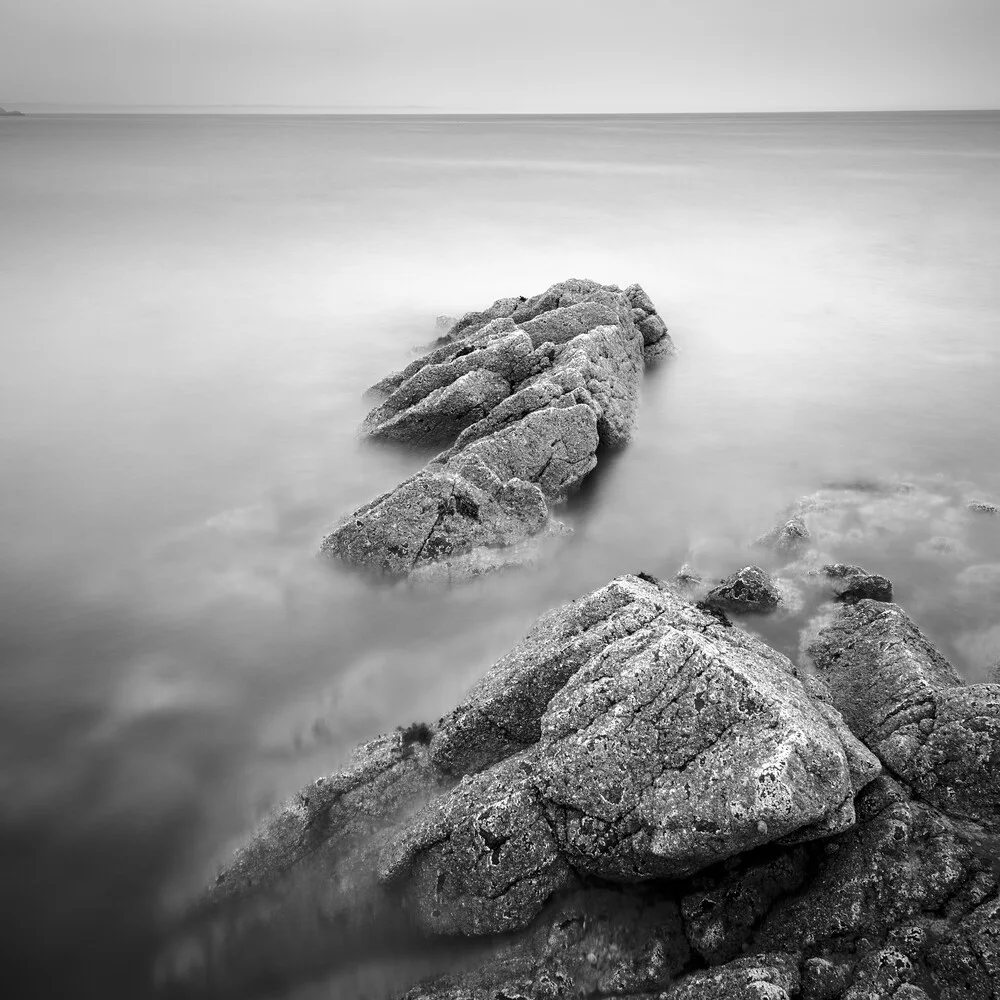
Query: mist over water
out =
(191, 309)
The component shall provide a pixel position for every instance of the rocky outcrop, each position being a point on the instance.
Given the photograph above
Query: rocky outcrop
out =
(598, 752)
(523, 394)
(11, 114)
(643, 801)
(910, 707)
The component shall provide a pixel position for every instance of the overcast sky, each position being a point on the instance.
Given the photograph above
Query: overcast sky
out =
(515, 55)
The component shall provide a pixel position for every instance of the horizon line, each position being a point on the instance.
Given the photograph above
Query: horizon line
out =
(390, 110)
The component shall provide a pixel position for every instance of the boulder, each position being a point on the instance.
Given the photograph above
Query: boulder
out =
(590, 764)
(909, 705)
(527, 391)
(603, 746)
(851, 584)
(748, 590)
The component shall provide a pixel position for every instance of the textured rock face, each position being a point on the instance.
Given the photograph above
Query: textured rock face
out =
(527, 391)
(614, 745)
(910, 706)
(746, 591)
(643, 802)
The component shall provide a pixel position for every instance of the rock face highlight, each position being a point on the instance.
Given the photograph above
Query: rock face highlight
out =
(523, 394)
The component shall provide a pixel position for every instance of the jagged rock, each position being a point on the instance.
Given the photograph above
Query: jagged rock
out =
(902, 698)
(442, 516)
(614, 745)
(530, 388)
(748, 590)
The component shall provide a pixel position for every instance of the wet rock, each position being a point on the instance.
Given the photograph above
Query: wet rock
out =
(902, 698)
(529, 389)
(748, 590)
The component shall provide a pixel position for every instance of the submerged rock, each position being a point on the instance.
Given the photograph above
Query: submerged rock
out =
(748, 590)
(527, 391)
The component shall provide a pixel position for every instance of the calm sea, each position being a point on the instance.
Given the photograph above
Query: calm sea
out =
(190, 309)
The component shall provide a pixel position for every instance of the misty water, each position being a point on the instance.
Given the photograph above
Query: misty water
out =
(191, 309)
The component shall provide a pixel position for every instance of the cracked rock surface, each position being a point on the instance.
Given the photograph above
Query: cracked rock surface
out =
(912, 709)
(521, 395)
(641, 802)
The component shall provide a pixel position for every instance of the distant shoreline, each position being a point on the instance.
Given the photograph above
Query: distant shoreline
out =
(228, 112)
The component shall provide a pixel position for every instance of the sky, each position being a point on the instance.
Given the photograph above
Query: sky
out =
(511, 56)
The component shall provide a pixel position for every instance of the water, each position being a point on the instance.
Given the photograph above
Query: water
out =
(191, 308)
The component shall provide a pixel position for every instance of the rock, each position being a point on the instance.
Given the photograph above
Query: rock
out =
(772, 976)
(748, 590)
(786, 537)
(443, 517)
(852, 584)
(576, 790)
(905, 862)
(527, 391)
(902, 698)
(686, 578)
(605, 941)
(730, 900)
(982, 507)
(591, 763)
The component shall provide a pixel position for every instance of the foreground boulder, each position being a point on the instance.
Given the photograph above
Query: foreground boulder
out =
(601, 748)
(523, 393)
(642, 801)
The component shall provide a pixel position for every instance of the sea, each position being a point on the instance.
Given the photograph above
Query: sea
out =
(191, 308)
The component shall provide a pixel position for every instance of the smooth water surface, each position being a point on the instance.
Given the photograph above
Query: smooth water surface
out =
(190, 310)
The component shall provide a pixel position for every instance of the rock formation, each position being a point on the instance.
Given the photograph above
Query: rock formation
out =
(523, 394)
(642, 801)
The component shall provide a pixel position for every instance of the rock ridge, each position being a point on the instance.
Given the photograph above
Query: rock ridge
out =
(521, 396)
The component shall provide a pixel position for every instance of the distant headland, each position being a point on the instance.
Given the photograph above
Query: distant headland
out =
(11, 114)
